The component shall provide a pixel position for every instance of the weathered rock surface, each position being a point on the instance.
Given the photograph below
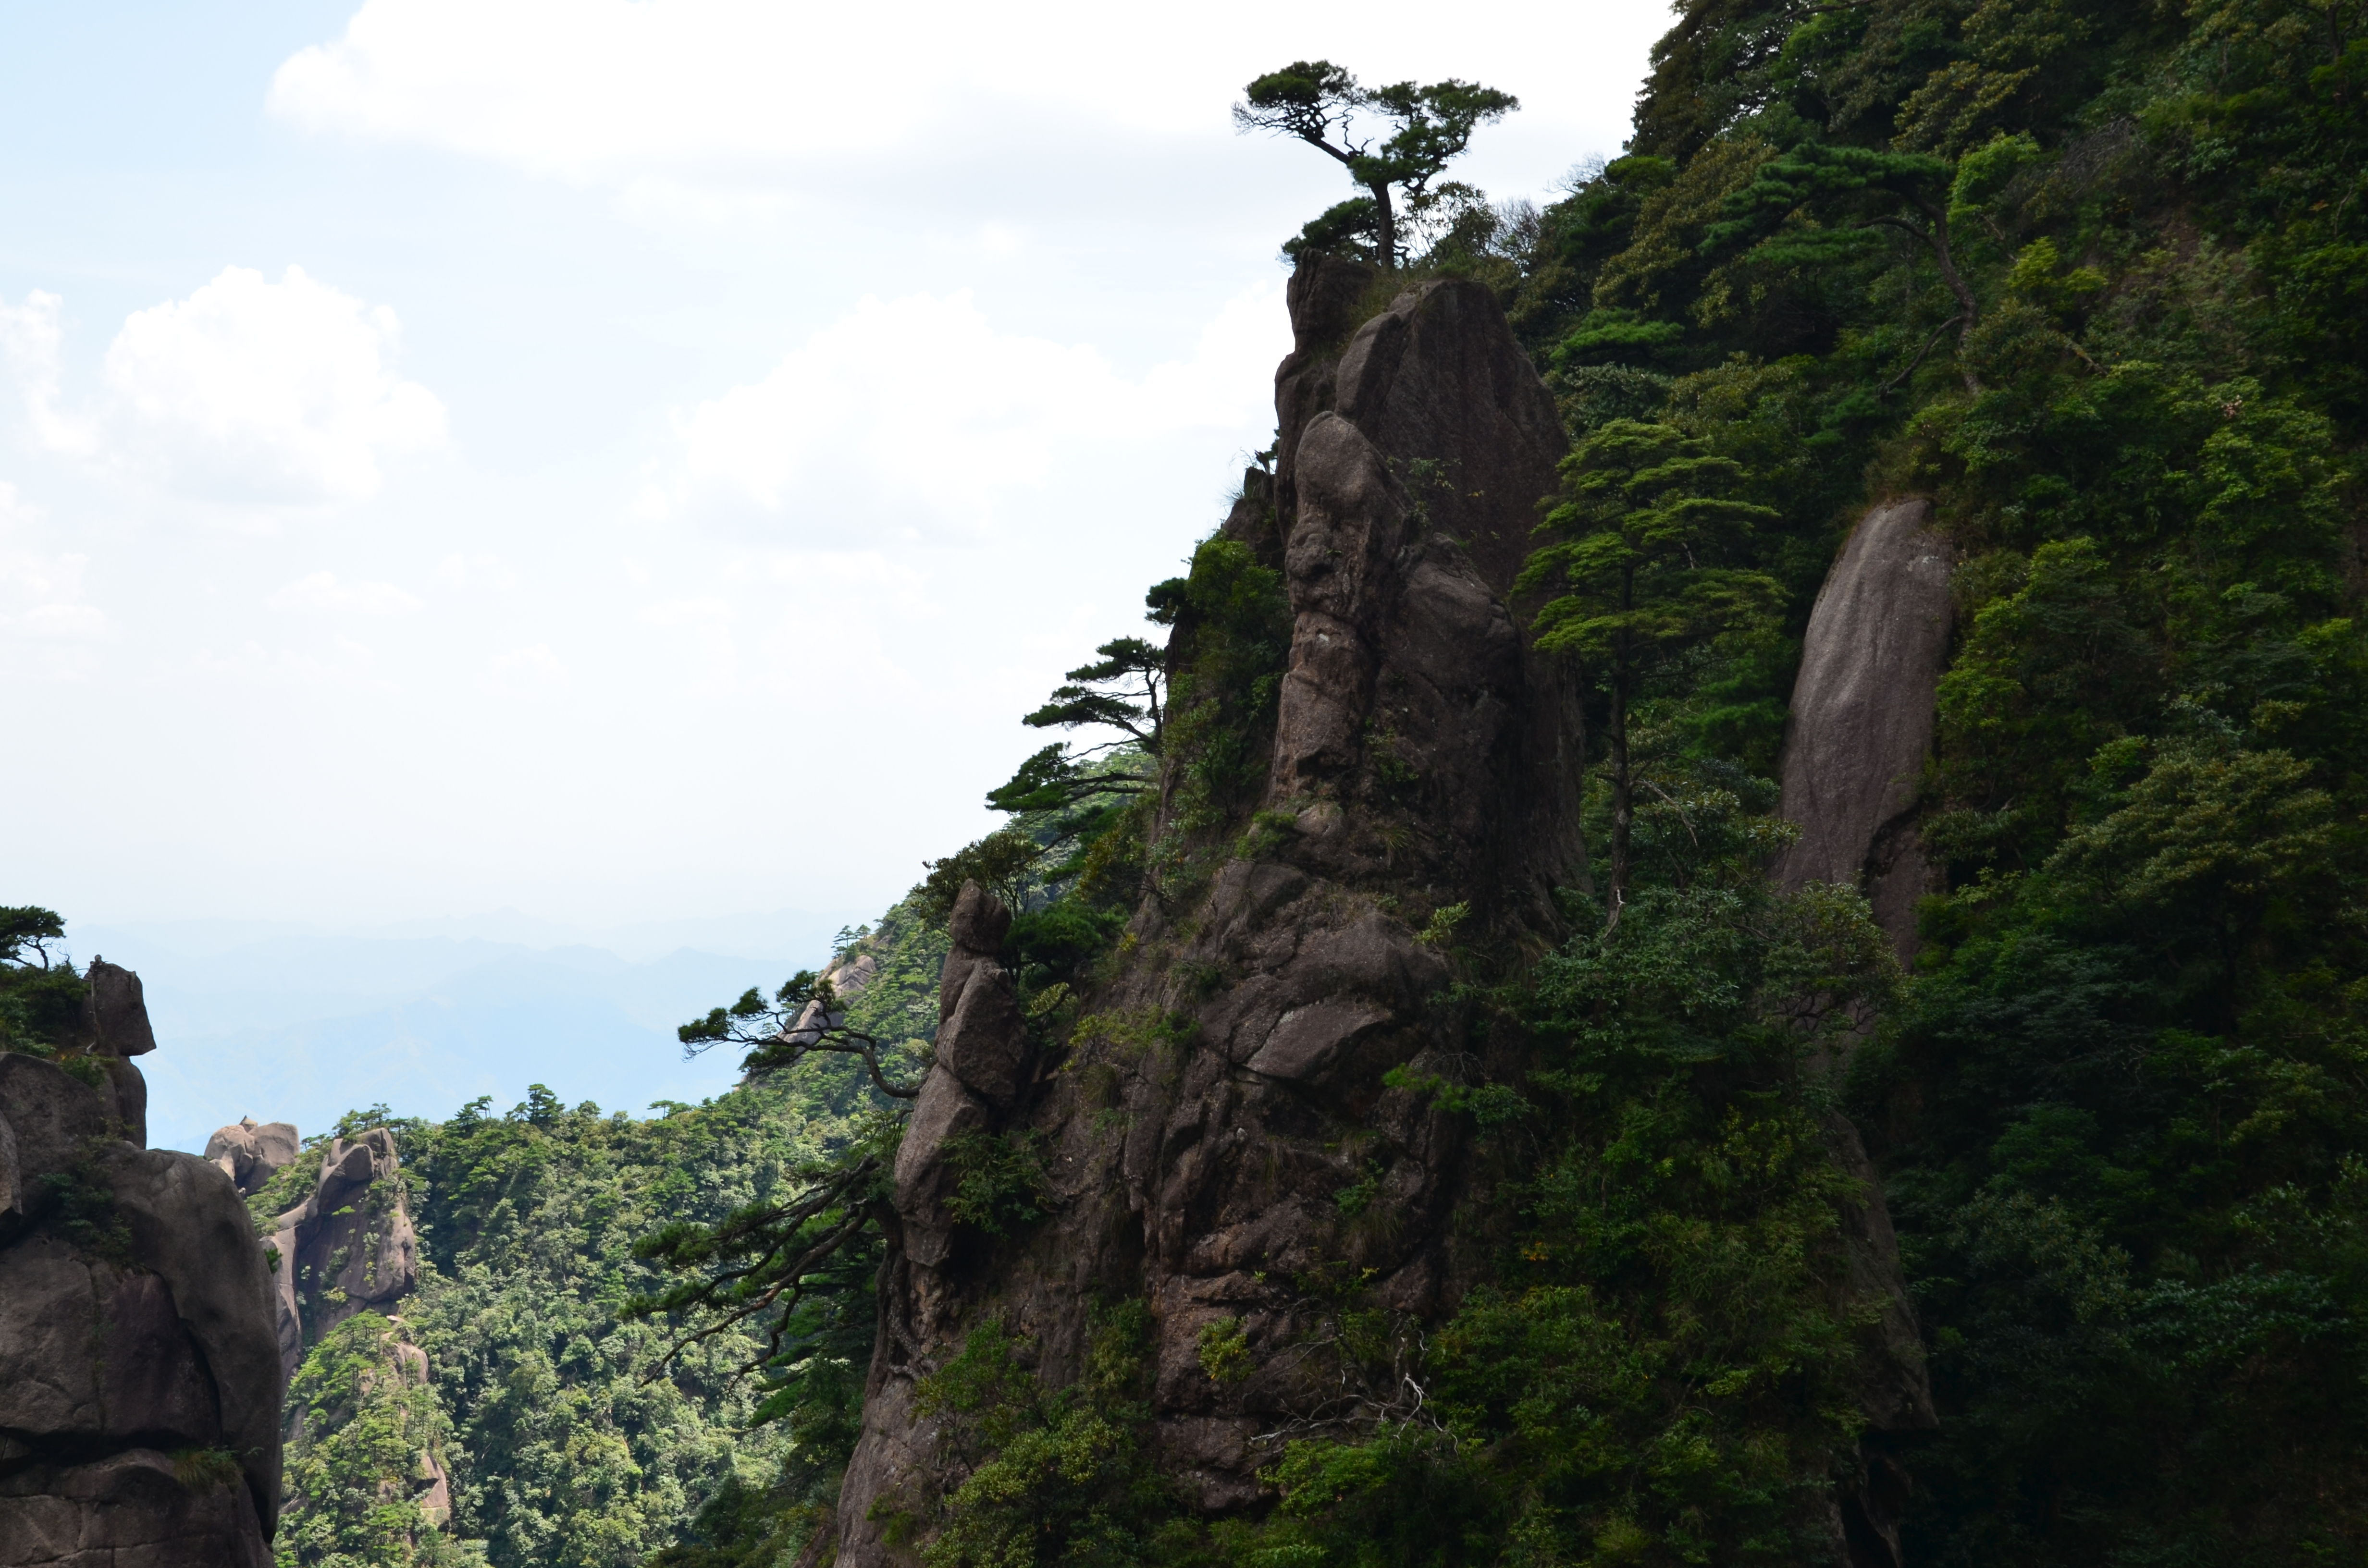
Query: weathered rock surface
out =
(1861, 730)
(1862, 714)
(979, 1051)
(252, 1153)
(114, 1012)
(1196, 1143)
(137, 1508)
(347, 1248)
(140, 1377)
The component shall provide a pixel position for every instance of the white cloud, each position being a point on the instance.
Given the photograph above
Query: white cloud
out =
(702, 627)
(248, 391)
(322, 593)
(531, 668)
(41, 591)
(343, 664)
(743, 93)
(916, 416)
(576, 87)
(32, 333)
(476, 572)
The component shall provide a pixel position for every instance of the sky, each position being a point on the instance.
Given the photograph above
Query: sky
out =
(627, 462)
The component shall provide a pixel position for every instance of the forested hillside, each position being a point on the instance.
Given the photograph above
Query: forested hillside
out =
(2090, 276)
(1575, 1261)
(568, 1437)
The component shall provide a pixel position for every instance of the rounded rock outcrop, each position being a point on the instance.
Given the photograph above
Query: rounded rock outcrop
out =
(1863, 716)
(251, 1153)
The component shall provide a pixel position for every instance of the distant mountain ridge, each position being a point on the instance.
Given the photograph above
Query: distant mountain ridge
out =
(304, 1023)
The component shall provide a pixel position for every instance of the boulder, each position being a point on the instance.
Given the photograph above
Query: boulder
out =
(12, 1184)
(94, 1355)
(1437, 379)
(287, 1312)
(923, 1180)
(54, 1119)
(1863, 716)
(1325, 296)
(979, 921)
(983, 1042)
(1408, 508)
(979, 1072)
(1306, 1040)
(114, 1012)
(252, 1153)
(977, 926)
(1856, 743)
(126, 1097)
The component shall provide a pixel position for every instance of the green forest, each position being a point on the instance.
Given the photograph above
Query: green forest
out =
(2092, 278)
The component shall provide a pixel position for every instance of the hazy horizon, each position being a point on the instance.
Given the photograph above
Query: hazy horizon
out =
(615, 462)
(285, 1022)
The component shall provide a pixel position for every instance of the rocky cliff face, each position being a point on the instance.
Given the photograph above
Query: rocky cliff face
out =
(140, 1377)
(1197, 1135)
(1201, 1127)
(348, 1247)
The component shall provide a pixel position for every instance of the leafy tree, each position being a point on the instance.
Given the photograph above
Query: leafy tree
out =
(1429, 126)
(1231, 642)
(1851, 190)
(563, 1453)
(1138, 670)
(1124, 691)
(764, 1260)
(355, 1473)
(1005, 863)
(1640, 573)
(27, 930)
(39, 998)
(1054, 1475)
(802, 1019)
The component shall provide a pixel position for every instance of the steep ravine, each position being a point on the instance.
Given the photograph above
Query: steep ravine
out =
(1234, 1080)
